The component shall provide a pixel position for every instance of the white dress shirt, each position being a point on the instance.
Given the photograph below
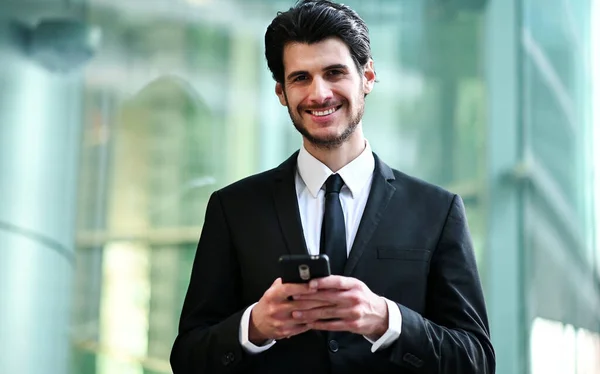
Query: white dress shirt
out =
(310, 179)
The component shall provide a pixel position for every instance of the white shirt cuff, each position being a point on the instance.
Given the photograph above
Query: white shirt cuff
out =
(243, 335)
(394, 328)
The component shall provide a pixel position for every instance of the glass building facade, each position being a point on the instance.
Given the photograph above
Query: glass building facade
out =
(118, 118)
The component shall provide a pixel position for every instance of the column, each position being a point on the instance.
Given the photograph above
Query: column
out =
(40, 125)
(504, 260)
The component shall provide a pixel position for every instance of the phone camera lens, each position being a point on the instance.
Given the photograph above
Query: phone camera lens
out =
(304, 271)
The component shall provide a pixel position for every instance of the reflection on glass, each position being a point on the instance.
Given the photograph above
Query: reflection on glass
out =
(557, 348)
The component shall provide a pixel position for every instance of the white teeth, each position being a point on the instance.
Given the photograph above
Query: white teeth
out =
(323, 113)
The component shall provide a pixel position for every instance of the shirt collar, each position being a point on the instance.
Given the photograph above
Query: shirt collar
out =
(355, 174)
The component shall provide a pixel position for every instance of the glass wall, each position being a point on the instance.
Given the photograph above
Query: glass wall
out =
(489, 99)
(561, 284)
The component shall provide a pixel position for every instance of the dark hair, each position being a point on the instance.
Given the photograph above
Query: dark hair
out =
(312, 21)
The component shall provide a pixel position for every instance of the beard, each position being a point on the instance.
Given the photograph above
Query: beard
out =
(333, 141)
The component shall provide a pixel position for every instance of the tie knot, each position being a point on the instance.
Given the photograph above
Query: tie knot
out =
(334, 184)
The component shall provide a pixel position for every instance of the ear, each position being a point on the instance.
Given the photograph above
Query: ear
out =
(369, 77)
(280, 93)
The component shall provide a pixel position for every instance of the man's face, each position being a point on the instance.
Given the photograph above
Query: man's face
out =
(324, 91)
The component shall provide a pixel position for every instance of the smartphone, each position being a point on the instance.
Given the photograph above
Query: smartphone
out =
(303, 268)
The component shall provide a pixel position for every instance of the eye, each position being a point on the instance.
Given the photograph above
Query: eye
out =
(335, 72)
(300, 78)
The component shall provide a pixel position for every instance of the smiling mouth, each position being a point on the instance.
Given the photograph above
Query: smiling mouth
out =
(324, 112)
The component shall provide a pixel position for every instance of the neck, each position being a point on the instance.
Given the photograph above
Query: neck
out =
(340, 156)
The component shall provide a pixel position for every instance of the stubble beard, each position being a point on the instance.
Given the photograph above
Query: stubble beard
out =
(331, 142)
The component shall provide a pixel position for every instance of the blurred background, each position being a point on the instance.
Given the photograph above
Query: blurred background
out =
(118, 118)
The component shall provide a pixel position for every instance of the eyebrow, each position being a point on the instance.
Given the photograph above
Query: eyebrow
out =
(294, 74)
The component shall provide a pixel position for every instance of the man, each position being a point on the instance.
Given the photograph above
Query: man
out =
(407, 296)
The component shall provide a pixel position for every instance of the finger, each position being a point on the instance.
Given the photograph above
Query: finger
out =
(327, 312)
(321, 295)
(272, 291)
(335, 325)
(284, 311)
(308, 304)
(334, 297)
(291, 331)
(334, 282)
(281, 291)
(292, 289)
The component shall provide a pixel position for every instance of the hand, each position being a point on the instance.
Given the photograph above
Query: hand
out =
(271, 317)
(356, 308)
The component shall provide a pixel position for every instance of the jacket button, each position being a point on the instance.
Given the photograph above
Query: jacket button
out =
(227, 358)
(333, 346)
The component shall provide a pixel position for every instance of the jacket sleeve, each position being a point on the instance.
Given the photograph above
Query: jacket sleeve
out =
(208, 336)
(452, 336)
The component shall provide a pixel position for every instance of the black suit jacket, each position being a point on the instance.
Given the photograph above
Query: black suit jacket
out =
(412, 247)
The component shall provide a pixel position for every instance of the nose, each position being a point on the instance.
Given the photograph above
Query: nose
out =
(320, 91)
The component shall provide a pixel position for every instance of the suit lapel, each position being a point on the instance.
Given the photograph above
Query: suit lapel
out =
(379, 197)
(286, 205)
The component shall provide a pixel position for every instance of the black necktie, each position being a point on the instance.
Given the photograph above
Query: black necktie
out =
(333, 230)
